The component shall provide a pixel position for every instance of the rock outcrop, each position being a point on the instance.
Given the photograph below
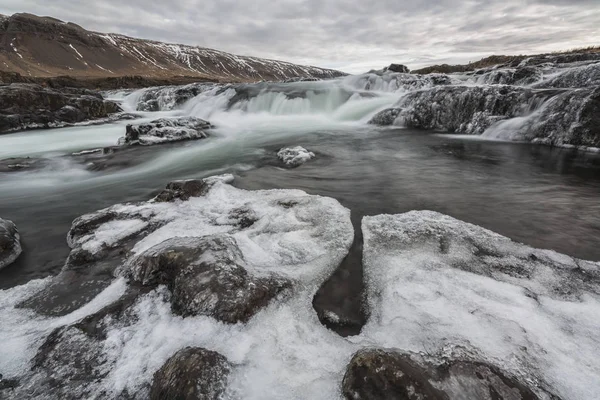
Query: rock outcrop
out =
(294, 156)
(397, 68)
(191, 374)
(27, 106)
(386, 117)
(165, 130)
(10, 243)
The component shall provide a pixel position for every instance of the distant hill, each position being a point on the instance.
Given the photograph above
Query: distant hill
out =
(585, 54)
(37, 47)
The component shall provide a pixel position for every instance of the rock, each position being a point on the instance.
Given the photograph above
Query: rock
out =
(398, 68)
(207, 276)
(191, 374)
(166, 130)
(183, 190)
(385, 117)
(379, 374)
(435, 284)
(294, 156)
(10, 243)
(26, 106)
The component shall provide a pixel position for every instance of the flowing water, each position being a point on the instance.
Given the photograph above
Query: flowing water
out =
(541, 196)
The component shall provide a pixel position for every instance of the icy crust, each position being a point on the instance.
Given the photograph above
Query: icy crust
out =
(10, 243)
(295, 156)
(115, 351)
(436, 284)
(166, 98)
(165, 130)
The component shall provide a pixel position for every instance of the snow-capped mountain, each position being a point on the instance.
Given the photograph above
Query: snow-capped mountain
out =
(45, 46)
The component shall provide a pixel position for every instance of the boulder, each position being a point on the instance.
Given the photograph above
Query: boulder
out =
(10, 243)
(191, 374)
(207, 276)
(375, 374)
(166, 130)
(385, 117)
(294, 156)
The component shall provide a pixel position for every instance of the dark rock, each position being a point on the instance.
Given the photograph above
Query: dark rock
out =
(379, 374)
(10, 243)
(166, 130)
(170, 97)
(183, 190)
(191, 374)
(398, 68)
(206, 276)
(25, 106)
(385, 117)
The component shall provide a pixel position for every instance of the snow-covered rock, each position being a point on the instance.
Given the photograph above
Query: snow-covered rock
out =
(166, 130)
(446, 287)
(295, 156)
(10, 243)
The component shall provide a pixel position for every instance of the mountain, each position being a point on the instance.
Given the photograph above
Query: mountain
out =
(35, 46)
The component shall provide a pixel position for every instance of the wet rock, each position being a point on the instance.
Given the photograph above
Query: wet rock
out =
(166, 130)
(183, 190)
(385, 117)
(10, 243)
(26, 106)
(191, 374)
(397, 68)
(207, 276)
(380, 374)
(294, 156)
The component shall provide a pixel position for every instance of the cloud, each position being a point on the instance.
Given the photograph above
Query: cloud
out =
(352, 35)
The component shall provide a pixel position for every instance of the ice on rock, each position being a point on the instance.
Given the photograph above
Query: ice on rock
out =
(165, 130)
(436, 283)
(295, 156)
(280, 349)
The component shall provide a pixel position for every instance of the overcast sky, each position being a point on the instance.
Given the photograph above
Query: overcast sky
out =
(350, 35)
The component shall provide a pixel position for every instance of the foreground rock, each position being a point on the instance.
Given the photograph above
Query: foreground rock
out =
(27, 106)
(10, 243)
(166, 130)
(294, 156)
(375, 374)
(452, 289)
(202, 250)
(191, 374)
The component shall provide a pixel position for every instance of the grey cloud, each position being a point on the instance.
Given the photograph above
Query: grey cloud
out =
(352, 35)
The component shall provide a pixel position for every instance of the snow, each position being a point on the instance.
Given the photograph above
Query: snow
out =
(110, 233)
(75, 50)
(295, 156)
(435, 282)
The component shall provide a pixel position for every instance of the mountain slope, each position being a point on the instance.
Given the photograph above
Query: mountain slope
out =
(44, 47)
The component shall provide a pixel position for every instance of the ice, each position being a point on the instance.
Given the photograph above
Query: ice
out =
(110, 233)
(434, 282)
(295, 156)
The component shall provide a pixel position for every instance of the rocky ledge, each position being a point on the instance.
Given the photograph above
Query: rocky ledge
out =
(30, 106)
(10, 243)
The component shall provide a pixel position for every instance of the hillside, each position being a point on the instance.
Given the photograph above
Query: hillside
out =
(37, 47)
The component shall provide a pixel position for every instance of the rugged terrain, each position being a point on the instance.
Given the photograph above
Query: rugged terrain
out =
(35, 46)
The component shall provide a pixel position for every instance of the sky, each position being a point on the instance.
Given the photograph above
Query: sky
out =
(350, 35)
